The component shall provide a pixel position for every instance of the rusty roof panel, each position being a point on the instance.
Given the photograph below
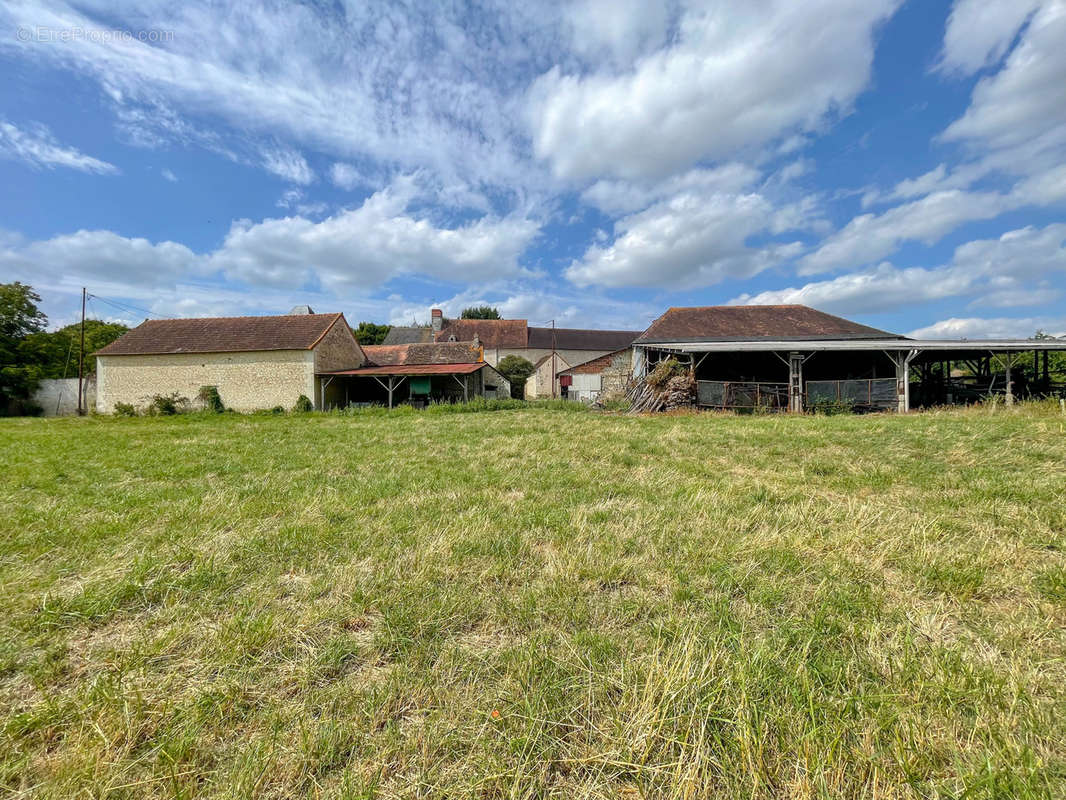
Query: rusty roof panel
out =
(222, 335)
(745, 323)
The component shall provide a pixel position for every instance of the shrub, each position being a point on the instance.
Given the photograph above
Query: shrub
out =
(277, 410)
(208, 395)
(125, 410)
(303, 405)
(168, 404)
(831, 408)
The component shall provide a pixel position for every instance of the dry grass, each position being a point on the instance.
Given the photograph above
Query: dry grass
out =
(534, 603)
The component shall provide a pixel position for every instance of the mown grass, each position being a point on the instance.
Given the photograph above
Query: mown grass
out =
(534, 604)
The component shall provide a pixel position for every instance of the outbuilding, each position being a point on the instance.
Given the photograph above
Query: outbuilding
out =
(793, 357)
(415, 374)
(253, 362)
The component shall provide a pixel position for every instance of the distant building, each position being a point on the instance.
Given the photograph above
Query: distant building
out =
(600, 378)
(505, 337)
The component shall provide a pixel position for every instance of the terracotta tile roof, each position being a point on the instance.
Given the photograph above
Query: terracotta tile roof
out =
(744, 323)
(493, 333)
(429, 353)
(594, 366)
(400, 334)
(414, 369)
(581, 339)
(222, 335)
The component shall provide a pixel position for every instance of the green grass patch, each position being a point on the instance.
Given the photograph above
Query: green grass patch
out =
(539, 602)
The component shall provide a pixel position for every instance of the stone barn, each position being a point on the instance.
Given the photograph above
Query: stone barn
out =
(254, 362)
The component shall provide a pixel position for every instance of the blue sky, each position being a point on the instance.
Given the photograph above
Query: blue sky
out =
(899, 163)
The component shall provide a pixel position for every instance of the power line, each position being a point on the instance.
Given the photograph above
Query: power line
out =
(128, 307)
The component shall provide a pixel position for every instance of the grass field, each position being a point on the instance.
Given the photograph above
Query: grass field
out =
(534, 603)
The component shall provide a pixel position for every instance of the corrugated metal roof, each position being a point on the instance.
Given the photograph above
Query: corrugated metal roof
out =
(745, 323)
(413, 369)
(222, 335)
(580, 339)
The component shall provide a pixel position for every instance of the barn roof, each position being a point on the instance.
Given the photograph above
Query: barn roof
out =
(745, 323)
(413, 369)
(222, 335)
(409, 334)
(594, 366)
(509, 333)
(423, 353)
(580, 339)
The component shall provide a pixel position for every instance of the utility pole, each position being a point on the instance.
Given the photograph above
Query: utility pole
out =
(553, 359)
(81, 354)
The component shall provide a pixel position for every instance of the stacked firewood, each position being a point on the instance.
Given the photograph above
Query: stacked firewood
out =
(670, 385)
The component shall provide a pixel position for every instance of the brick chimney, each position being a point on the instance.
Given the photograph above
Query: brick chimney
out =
(438, 319)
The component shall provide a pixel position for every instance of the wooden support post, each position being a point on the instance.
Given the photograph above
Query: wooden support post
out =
(795, 382)
(903, 378)
(1010, 384)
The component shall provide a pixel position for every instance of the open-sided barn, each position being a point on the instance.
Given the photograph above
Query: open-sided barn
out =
(794, 357)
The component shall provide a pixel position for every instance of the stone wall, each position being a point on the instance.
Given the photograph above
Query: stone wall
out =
(59, 397)
(338, 350)
(616, 375)
(539, 384)
(245, 381)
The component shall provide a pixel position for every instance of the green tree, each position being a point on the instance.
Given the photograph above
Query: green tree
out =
(19, 319)
(517, 370)
(1033, 368)
(55, 353)
(371, 333)
(480, 312)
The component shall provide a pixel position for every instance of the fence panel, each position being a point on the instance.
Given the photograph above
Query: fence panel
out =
(866, 393)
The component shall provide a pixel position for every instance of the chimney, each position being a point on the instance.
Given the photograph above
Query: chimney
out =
(437, 319)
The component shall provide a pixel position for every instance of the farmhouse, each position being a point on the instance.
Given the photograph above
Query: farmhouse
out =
(254, 362)
(794, 357)
(504, 337)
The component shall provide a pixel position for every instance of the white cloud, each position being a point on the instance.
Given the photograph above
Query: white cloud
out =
(170, 176)
(37, 147)
(1002, 271)
(362, 247)
(990, 328)
(369, 245)
(347, 176)
(733, 79)
(979, 31)
(690, 240)
(360, 80)
(288, 165)
(870, 237)
(1016, 121)
(624, 196)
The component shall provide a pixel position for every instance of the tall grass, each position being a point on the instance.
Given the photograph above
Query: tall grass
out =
(534, 604)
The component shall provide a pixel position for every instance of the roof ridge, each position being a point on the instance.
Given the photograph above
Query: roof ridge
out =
(333, 314)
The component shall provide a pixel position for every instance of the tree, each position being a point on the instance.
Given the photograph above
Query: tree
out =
(517, 370)
(371, 333)
(480, 312)
(55, 353)
(19, 319)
